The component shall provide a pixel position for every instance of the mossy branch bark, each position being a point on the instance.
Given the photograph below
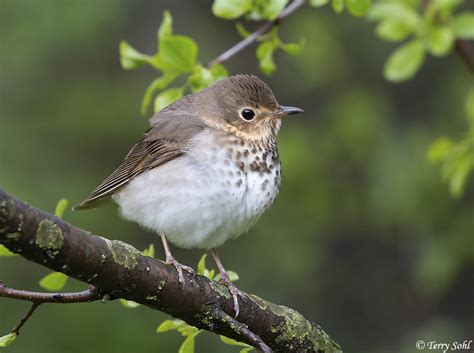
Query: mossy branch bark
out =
(122, 271)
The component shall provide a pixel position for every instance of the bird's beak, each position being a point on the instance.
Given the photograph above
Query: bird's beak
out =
(287, 110)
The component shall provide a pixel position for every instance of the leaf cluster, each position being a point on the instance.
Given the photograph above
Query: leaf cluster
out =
(431, 29)
(176, 56)
(456, 157)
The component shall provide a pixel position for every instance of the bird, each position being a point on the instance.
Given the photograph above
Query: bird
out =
(205, 171)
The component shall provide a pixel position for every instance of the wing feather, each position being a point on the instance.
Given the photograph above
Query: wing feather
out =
(170, 133)
(144, 156)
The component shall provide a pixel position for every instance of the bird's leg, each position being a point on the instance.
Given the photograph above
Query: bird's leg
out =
(172, 261)
(226, 281)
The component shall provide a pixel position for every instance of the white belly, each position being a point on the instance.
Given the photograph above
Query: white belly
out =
(202, 198)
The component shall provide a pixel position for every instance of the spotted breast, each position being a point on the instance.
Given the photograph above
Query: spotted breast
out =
(209, 194)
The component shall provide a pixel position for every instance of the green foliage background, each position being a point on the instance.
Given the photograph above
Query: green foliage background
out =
(365, 238)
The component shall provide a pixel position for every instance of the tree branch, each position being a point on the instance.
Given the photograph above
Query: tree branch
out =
(122, 271)
(85, 296)
(244, 43)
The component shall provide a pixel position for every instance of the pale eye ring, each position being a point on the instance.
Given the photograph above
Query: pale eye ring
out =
(248, 114)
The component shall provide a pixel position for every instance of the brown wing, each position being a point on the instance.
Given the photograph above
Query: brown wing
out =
(144, 156)
(170, 134)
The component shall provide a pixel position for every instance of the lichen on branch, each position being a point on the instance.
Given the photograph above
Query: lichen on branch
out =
(121, 271)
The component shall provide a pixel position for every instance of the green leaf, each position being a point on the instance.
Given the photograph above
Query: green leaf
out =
(210, 274)
(405, 61)
(243, 32)
(150, 251)
(219, 72)
(439, 149)
(463, 25)
(233, 276)
(156, 85)
(469, 108)
(130, 58)
(5, 252)
(246, 350)
(166, 26)
(272, 8)
(232, 342)
(7, 340)
(201, 267)
(167, 97)
(459, 176)
(358, 7)
(169, 325)
(337, 5)
(397, 12)
(60, 208)
(187, 330)
(392, 30)
(177, 53)
(188, 344)
(265, 56)
(441, 41)
(318, 3)
(293, 48)
(231, 9)
(129, 304)
(54, 282)
(200, 78)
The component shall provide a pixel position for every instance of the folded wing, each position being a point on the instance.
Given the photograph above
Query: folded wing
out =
(171, 132)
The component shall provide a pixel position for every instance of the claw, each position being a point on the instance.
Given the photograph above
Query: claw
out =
(170, 260)
(225, 280)
(236, 293)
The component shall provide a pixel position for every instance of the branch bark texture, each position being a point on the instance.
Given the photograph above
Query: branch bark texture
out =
(120, 270)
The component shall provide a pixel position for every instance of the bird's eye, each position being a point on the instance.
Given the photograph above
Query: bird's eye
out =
(248, 114)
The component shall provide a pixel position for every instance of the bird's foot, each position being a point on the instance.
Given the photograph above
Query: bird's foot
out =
(170, 260)
(236, 292)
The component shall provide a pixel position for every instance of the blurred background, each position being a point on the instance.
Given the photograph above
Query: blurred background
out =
(364, 239)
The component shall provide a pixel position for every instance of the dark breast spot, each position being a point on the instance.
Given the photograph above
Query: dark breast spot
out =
(254, 166)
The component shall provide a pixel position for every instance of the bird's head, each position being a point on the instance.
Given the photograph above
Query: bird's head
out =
(243, 105)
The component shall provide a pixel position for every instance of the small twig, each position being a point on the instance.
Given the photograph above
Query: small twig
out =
(37, 298)
(88, 295)
(244, 43)
(24, 319)
(242, 329)
(466, 52)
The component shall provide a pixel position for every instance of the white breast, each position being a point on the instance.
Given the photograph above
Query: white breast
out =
(205, 197)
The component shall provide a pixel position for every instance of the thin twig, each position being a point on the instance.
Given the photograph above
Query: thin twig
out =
(25, 318)
(88, 295)
(244, 43)
(242, 329)
(466, 52)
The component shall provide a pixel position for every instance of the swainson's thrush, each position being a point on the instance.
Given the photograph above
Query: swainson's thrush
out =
(205, 171)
